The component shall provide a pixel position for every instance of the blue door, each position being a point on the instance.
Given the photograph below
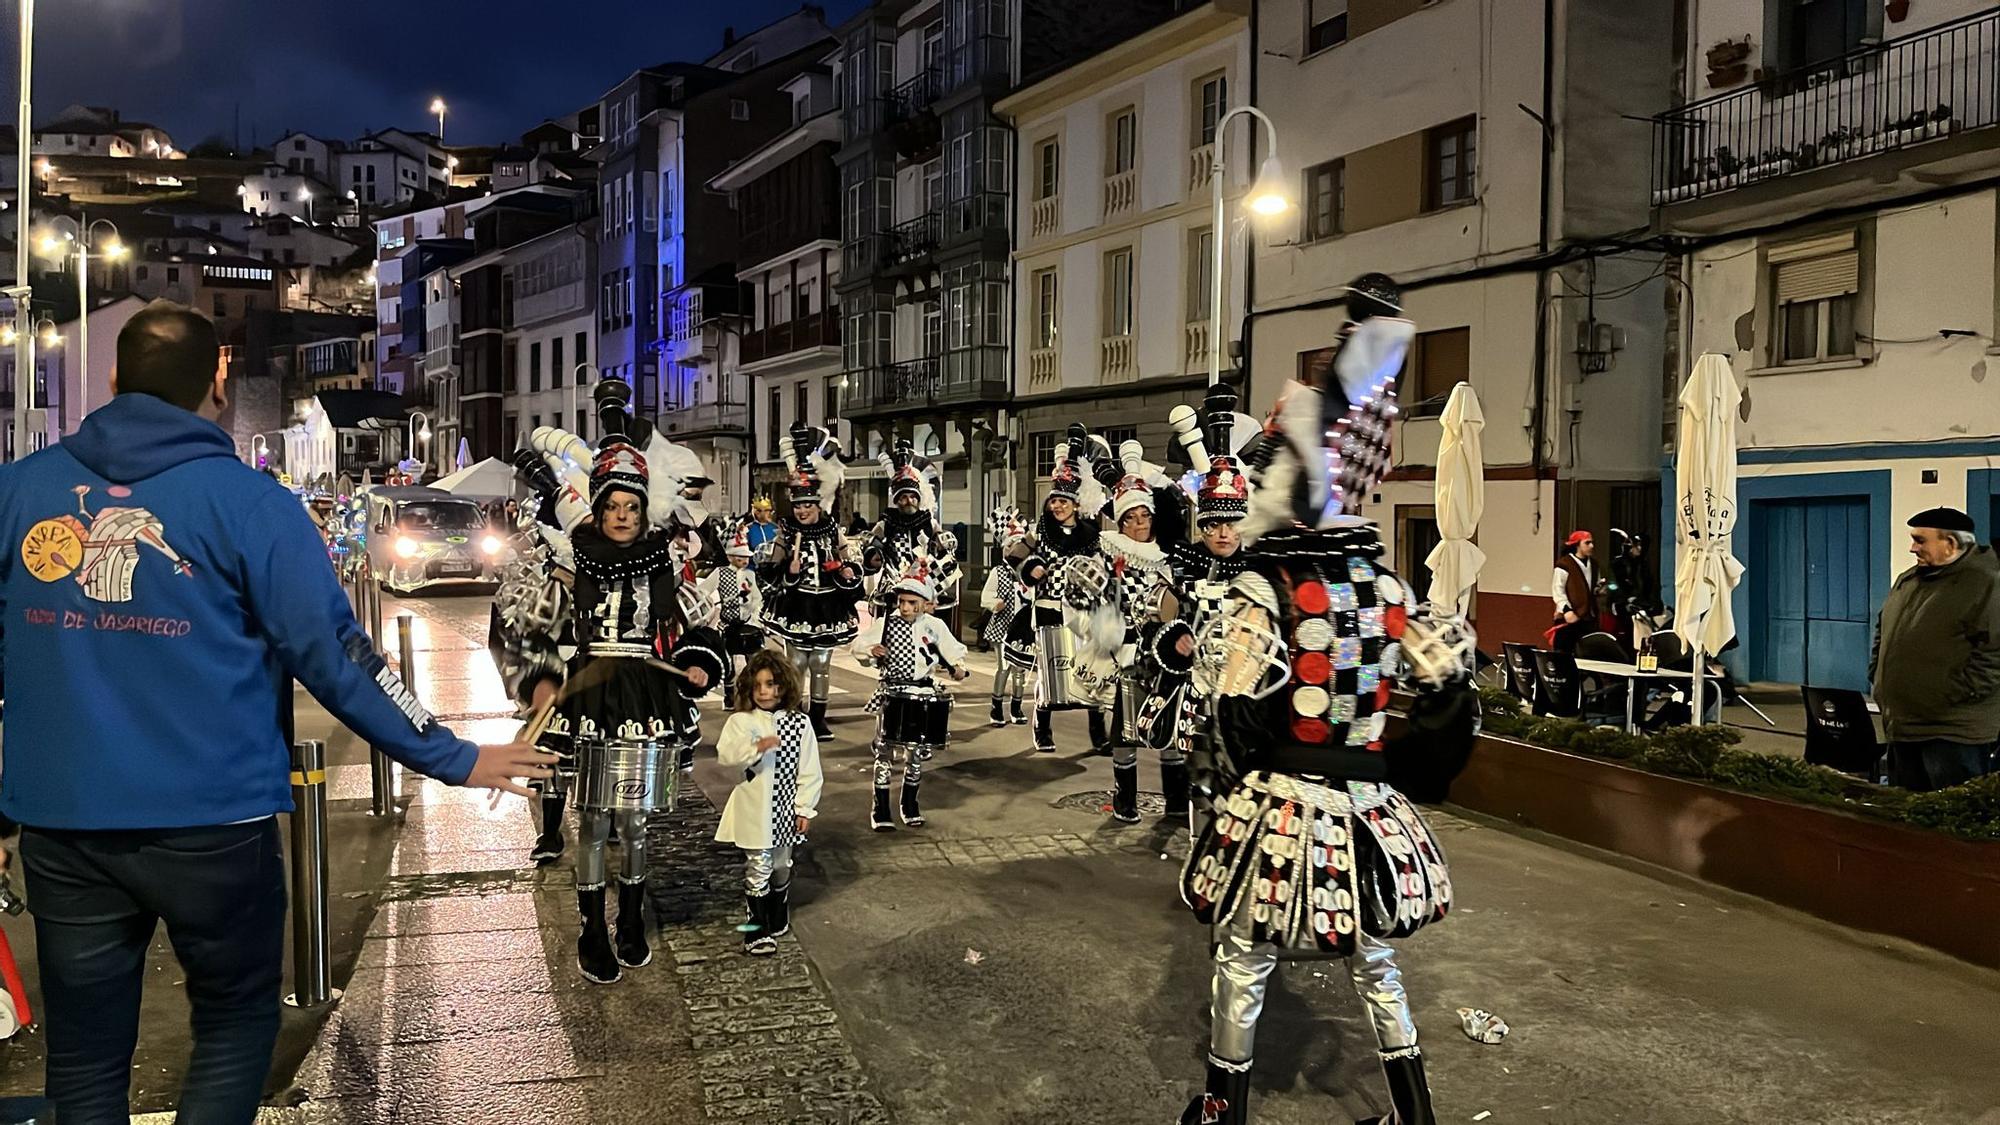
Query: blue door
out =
(1810, 564)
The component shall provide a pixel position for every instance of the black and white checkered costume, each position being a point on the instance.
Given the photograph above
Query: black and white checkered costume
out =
(793, 731)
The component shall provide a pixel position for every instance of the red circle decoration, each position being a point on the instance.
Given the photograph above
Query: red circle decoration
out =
(1312, 667)
(1311, 598)
(1312, 731)
(1394, 620)
(1382, 695)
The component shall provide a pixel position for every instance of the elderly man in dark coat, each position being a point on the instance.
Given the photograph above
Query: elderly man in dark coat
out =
(1936, 664)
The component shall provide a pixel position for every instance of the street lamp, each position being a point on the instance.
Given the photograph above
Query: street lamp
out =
(260, 447)
(24, 342)
(415, 432)
(576, 377)
(111, 252)
(1267, 200)
(306, 194)
(437, 107)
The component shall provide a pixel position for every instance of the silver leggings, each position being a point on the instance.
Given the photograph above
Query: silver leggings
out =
(912, 755)
(1009, 681)
(1243, 971)
(814, 664)
(766, 870)
(594, 833)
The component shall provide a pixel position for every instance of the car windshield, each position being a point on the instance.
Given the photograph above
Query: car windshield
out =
(441, 517)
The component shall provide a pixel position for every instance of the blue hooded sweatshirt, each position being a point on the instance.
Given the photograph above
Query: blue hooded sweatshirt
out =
(154, 593)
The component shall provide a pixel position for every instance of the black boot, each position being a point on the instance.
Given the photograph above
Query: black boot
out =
(1045, 738)
(1125, 793)
(687, 757)
(1224, 1100)
(593, 949)
(778, 912)
(912, 815)
(1174, 786)
(881, 820)
(818, 713)
(999, 715)
(1100, 732)
(1020, 717)
(1409, 1092)
(758, 941)
(632, 948)
(549, 845)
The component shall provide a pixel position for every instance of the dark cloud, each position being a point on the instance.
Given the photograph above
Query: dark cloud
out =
(339, 68)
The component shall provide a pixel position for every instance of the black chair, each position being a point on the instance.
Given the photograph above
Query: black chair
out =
(1602, 646)
(1561, 688)
(1518, 660)
(1840, 733)
(1603, 696)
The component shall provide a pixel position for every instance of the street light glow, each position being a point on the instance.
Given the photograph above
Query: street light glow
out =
(437, 105)
(114, 250)
(1267, 196)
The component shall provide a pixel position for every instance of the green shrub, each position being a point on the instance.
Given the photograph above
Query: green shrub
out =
(1971, 810)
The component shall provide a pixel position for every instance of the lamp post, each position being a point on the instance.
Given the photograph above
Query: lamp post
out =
(416, 433)
(1266, 199)
(260, 447)
(576, 376)
(306, 194)
(437, 107)
(24, 328)
(113, 250)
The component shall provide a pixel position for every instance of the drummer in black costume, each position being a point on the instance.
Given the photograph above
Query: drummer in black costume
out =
(910, 531)
(1314, 852)
(1065, 573)
(739, 604)
(909, 646)
(811, 583)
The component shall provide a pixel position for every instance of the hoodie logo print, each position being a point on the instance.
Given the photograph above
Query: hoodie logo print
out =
(101, 550)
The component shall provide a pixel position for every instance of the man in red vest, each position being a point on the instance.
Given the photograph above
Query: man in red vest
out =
(1574, 588)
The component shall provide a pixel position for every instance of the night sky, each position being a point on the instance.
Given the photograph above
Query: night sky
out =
(342, 67)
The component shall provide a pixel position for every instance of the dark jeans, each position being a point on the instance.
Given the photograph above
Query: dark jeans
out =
(1934, 763)
(97, 897)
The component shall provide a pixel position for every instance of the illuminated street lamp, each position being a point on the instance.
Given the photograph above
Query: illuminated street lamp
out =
(437, 107)
(307, 195)
(1266, 200)
(109, 251)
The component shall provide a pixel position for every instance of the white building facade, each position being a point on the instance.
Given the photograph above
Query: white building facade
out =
(552, 329)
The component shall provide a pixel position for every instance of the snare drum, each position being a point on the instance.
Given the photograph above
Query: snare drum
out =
(625, 775)
(916, 719)
(1063, 679)
(743, 639)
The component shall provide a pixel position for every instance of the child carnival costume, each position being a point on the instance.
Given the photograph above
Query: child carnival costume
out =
(1313, 851)
(908, 645)
(638, 666)
(811, 584)
(739, 606)
(772, 743)
(1010, 630)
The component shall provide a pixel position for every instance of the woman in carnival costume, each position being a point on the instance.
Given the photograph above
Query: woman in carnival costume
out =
(1010, 628)
(811, 583)
(739, 604)
(1313, 851)
(1063, 568)
(909, 531)
(638, 664)
(1141, 577)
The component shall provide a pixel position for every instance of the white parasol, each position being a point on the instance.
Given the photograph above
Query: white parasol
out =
(1705, 569)
(1461, 499)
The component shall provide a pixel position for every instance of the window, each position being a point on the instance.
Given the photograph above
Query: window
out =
(1119, 435)
(774, 425)
(1043, 446)
(1438, 361)
(1807, 33)
(993, 312)
(510, 431)
(1123, 137)
(284, 197)
(1326, 188)
(140, 273)
(1814, 287)
(1118, 293)
(534, 367)
(582, 352)
(958, 312)
(1211, 101)
(739, 109)
(1048, 168)
(933, 328)
(1046, 315)
(1326, 24)
(534, 422)
(582, 423)
(1450, 159)
(802, 400)
(173, 275)
(555, 362)
(221, 309)
(1314, 365)
(1200, 271)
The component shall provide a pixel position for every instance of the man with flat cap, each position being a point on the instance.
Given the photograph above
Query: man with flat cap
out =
(1936, 664)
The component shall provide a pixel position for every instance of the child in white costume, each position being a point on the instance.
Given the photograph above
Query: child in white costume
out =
(770, 738)
(909, 646)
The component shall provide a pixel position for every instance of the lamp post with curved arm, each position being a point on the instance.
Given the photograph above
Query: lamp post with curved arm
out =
(1266, 199)
(112, 251)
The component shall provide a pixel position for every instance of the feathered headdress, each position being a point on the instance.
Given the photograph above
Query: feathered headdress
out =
(618, 466)
(1212, 440)
(813, 466)
(909, 473)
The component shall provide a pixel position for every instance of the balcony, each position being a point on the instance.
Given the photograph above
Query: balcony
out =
(1195, 354)
(1121, 193)
(819, 330)
(981, 214)
(691, 312)
(1116, 364)
(907, 247)
(924, 384)
(1044, 369)
(906, 112)
(1201, 168)
(1045, 217)
(708, 419)
(1876, 100)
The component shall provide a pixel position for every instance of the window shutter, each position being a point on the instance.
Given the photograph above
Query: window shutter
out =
(1816, 268)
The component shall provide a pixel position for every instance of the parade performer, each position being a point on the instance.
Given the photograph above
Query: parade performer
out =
(761, 528)
(1010, 628)
(1313, 851)
(739, 603)
(811, 583)
(770, 738)
(910, 531)
(1064, 569)
(1141, 579)
(909, 647)
(638, 665)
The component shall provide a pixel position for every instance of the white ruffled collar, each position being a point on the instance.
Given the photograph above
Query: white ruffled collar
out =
(1151, 554)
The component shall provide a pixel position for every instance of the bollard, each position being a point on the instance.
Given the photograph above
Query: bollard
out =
(312, 968)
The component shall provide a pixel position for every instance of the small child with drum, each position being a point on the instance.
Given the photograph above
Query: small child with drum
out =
(909, 646)
(769, 737)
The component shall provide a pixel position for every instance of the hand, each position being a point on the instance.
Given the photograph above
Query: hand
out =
(499, 765)
(795, 564)
(804, 824)
(767, 744)
(1185, 645)
(1037, 573)
(1569, 616)
(697, 677)
(878, 652)
(960, 673)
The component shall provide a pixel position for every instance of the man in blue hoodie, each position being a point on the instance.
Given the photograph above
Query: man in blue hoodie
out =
(155, 594)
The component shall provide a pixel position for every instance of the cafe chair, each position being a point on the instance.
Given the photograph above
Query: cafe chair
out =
(1840, 733)
(1518, 661)
(1561, 686)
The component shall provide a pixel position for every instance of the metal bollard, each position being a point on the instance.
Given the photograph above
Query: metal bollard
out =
(312, 967)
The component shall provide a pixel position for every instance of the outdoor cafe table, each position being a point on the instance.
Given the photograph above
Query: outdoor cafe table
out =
(1631, 674)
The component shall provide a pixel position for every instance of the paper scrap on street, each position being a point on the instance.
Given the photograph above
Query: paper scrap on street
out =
(1482, 1026)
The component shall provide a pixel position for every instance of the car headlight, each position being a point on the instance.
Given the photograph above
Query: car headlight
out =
(406, 548)
(490, 544)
